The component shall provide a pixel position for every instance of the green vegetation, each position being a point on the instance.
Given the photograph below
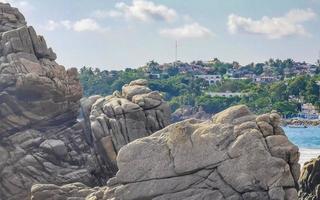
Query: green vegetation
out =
(181, 89)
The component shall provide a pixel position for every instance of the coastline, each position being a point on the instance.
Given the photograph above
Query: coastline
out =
(306, 154)
(308, 141)
(303, 122)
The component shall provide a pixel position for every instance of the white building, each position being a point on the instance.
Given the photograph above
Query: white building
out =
(225, 94)
(266, 79)
(211, 79)
(309, 111)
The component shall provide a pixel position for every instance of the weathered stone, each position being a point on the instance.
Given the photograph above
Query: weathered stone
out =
(40, 138)
(266, 128)
(117, 120)
(195, 160)
(309, 181)
(56, 147)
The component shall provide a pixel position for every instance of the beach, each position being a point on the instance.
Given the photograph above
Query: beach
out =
(308, 141)
(308, 154)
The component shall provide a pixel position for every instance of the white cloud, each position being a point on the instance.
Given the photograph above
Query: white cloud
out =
(86, 25)
(66, 24)
(51, 25)
(82, 25)
(273, 27)
(193, 30)
(141, 10)
(102, 14)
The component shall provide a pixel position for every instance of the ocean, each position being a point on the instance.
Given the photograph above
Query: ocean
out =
(308, 141)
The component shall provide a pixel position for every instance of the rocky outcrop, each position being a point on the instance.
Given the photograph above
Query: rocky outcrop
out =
(121, 118)
(188, 112)
(74, 191)
(310, 180)
(40, 138)
(33, 87)
(236, 155)
(10, 18)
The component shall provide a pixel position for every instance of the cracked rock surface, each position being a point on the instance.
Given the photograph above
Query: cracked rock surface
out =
(234, 156)
(33, 87)
(121, 118)
(41, 140)
(310, 180)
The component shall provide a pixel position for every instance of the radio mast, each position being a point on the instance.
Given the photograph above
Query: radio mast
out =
(176, 51)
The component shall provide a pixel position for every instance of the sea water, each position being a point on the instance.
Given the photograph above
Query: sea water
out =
(308, 141)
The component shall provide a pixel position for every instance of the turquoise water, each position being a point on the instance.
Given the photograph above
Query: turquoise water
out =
(304, 137)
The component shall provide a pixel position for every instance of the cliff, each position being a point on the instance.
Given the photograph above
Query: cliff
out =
(41, 140)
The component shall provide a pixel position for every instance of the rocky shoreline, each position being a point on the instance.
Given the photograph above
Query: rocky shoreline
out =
(125, 147)
(301, 122)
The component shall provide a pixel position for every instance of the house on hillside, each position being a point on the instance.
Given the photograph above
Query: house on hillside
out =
(309, 111)
(225, 94)
(266, 79)
(211, 79)
(302, 68)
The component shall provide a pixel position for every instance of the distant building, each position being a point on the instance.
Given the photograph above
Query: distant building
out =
(309, 111)
(154, 76)
(225, 94)
(211, 79)
(265, 79)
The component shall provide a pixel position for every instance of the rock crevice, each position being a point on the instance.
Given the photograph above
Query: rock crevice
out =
(234, 156)
(41, 138)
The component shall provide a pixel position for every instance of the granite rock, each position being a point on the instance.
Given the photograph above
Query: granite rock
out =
(309, 180)
(40, 138)
(229, 157)
(123, 117)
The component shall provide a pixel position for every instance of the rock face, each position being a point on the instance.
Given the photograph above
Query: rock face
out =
(188, 112)
(10, 18)
(40, 139)
(33, 87)
(310, 180)
(234, 156)
(123, 117)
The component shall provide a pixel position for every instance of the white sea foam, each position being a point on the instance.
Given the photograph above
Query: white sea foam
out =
(308, 154)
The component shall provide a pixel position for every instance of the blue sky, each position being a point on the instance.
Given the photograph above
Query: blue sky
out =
(114, 34)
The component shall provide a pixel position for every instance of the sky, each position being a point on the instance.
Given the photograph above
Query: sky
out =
(116, 34)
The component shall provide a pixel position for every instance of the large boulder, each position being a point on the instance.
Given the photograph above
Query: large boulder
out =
(10, 18)
(310, 180)
(34, 89)
(188, 112)
(40, 138)
(123, 117)
(234, 156)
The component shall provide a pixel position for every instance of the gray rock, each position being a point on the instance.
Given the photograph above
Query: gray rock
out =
(309, 181)
(56, 147)
(40, 138)
(124, 117)
(197, 159)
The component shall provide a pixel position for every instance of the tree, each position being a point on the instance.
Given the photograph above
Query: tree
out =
(278, 91)
(285, 107)
(312, 91)
(258, 68)
(172, 71)
(297, 86)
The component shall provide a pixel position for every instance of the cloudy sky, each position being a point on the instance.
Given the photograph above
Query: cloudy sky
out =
(114, 34)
